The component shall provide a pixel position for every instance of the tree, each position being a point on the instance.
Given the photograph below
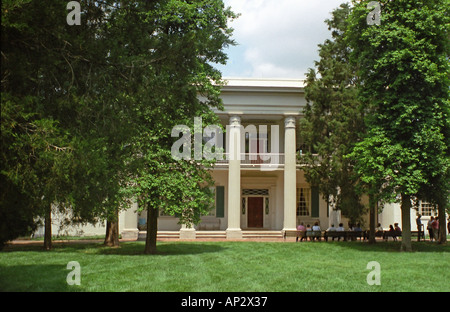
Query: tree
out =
(403, 67)
(171, 66)
(103, 91)
(38, 147)
(17, 217)
(333, 121)
(35, 161)
(68, 114)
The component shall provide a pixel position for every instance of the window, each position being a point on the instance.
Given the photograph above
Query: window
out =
(303, 201)
(256, 192)
(426, 209)
(256, 139)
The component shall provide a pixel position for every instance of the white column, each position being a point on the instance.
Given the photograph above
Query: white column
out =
(187, 232)
(290, 174)
(130, 230)
(234, 179)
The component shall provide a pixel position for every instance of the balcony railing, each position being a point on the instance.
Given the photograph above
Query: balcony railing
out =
(255, 159)
(251, 160)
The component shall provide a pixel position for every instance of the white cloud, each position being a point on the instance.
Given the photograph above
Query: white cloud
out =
(277, 38)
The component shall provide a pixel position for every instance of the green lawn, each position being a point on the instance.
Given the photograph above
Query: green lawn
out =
(227, 266)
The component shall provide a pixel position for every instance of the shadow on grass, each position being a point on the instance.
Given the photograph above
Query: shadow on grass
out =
(193, 248)
(125, 248)
(34, 278)
(394, 246)
(163, 249)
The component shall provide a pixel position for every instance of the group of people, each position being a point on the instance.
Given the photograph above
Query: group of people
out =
(309, 230)
(308, 227)
(340, 228)
(394, 230)
(316, 227)
(432, 227)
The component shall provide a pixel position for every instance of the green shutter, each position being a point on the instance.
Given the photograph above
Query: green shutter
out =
(220, 201)
(315, 202)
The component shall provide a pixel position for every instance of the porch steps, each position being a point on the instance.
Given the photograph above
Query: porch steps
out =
(168, 234)
(261, 234)
(211, 234)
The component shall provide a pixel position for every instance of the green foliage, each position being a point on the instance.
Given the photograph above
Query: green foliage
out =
(176, 188)
(17, 219)
(333, 121)
(404, 72)
(192, 36)
(48, 84)
(84, 103)
(34, 159)
(404, 75)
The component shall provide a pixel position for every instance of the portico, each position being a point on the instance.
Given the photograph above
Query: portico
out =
(258, 203)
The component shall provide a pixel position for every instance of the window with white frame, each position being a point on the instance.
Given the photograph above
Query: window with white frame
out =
(426, 209)
(256, 192)
(303, 201)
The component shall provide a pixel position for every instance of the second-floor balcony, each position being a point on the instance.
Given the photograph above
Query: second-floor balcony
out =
(255, 160)
(259, 160)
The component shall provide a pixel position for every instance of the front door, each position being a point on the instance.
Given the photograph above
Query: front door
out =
(255, 212)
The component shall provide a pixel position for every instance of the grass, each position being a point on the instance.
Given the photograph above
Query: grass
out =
(227, 266)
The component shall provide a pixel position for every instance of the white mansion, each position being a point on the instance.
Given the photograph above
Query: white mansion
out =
(264, 190)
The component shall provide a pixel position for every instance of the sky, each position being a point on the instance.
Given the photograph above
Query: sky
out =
(276, 38)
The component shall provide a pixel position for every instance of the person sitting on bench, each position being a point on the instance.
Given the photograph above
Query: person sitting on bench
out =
(390, 233)
(330, 232)
(301, 232)
(379, 231)
(316, 231)
(397, 229)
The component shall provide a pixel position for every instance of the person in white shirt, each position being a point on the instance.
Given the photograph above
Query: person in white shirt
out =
(379, 228)
(316, 231)
(316, 227)
(331, 228)
(379, 231)
(340, 228)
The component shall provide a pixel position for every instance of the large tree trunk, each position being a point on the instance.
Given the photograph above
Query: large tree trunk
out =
(152, 230)
(406, 223)
(48, 228)
(112, 231)
(372, 216)
(442, 223)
